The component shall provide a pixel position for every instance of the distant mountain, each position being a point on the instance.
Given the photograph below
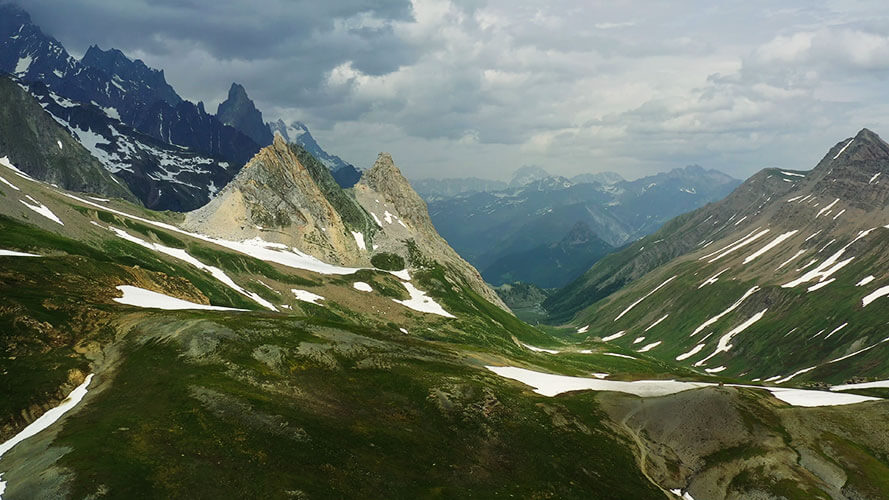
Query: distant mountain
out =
(436, 189)
(526, 175)
(346, 174)
(784, 279)
(486, 227)
(550, 265)
(239, 112)
(605, 178)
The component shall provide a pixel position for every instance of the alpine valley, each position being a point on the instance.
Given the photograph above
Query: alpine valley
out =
(201, 305)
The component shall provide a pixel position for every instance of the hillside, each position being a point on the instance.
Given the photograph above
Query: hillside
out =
(781, 281)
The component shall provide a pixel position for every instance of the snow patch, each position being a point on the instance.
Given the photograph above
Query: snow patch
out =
(4, 181)
(41, 209)
(359, 240)
(140, 297)
(362, 286)
(306, 296)
(731, 308)
(548, 384)
(844, 148)
(657, 322)
(634, 304)
(865, 280)
(539, 349)
(13, 253)
(724, 344)
(696, 349)
(614, 336)
(650, 346)
(583, 329)
(772, 244)
(712, 279)
(418, 301)
(49, 417)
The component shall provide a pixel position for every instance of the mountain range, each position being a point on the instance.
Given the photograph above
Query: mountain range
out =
(292, 337)
(782, 280)
(504, 232)
(171, 153)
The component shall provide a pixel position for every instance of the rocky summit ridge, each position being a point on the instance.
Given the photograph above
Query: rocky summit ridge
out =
(285, 196)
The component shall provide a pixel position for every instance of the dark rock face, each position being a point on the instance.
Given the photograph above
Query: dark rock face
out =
(239, 112)
(39, 146)
(129, 93)
(162, 176)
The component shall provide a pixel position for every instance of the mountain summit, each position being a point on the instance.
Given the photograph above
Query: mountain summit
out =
(239, 112)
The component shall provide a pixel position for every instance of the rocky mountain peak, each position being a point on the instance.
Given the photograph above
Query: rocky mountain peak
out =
(240, 112)
(385, 178)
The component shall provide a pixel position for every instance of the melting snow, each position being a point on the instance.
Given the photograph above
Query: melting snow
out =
(841, 212)
(829, 266)
(876, 294)
(696, 349)
(617, 355)
(879, 384)
(724, 342)
(13, 253)
(798, 372)
(359, 240)
(140, 297)
(788, 261)
(548, 384)
(657, 322)
(638, 340)
(740, 244)
(41, 209)
(306, 296)
(583, 329)
(872, 179)
(182, 255)
(844, 148)
(650, 346)
(634, 304)
(836, 330)
(539, 349)
(712, 279)
(22, 65)
(614, 336)
(715, 370)
(865, 280)
(50, 417)
(4, 181)
(793, 174)
(820, 285)
(376, 219)
(420, 302)
(828, 207)
(772, 244)
(362, 286)
(794, 198)
(59, 143)
(731, 308)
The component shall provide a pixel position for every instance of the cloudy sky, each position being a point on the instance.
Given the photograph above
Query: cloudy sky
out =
(481, 87)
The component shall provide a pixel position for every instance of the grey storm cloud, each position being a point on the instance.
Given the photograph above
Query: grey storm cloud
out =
(481, 87)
